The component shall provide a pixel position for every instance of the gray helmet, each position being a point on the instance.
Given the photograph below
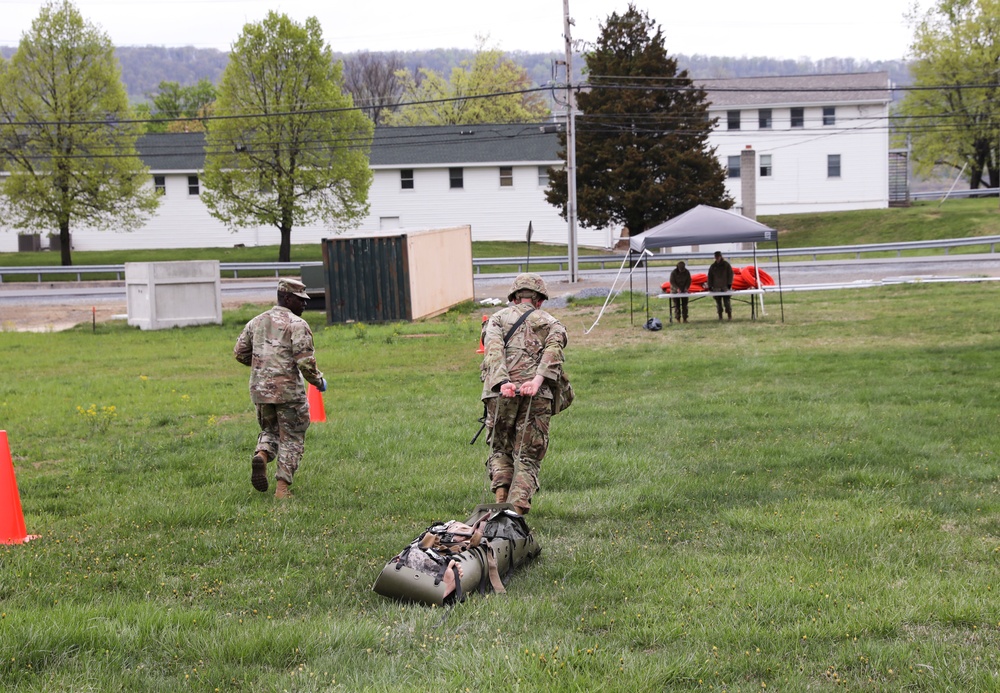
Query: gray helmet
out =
(531, 281)
(653, 325)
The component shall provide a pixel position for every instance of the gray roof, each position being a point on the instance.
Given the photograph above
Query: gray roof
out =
(173, 151)
(468, 145)
(855, 87)
(465, 144)
(393, 147)
(703, 225)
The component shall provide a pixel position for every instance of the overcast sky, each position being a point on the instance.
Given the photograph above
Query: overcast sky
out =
(862, 29)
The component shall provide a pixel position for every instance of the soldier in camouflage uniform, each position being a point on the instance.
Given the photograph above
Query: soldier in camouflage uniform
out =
(278, 347)
(720, 278)
(518, 378)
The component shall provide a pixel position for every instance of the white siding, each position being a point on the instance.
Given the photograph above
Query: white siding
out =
(798, 184)
(799, 181)
(495, 213)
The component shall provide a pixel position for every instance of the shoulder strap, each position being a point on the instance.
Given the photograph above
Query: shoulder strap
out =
(517, 324)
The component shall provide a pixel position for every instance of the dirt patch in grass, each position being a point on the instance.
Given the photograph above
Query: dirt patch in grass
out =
(21, 317)
(54, 318)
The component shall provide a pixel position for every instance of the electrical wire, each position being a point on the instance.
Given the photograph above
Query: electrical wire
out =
(651, 124)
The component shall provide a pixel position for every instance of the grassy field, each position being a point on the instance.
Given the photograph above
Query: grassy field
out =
(800, 505)
(312, 252)
(925, 220)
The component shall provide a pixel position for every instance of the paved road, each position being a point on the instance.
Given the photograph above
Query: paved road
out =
(792, 276)
(812, 274)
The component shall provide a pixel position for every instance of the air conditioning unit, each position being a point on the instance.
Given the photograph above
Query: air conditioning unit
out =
(29, 242)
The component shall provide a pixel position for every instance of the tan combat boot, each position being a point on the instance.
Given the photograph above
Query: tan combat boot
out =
(284, 490)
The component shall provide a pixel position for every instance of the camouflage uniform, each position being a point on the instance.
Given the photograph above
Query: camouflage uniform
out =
(520, 425)
(720, 278)
(278, 347)
(680, 283)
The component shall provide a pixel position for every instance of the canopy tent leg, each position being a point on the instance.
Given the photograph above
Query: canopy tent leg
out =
(756, 269)
(645, 264)
(777, 257)
(631, 321)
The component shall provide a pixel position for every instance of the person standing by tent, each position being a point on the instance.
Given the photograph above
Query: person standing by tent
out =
(680, 283)
(720, 278)
(278, 347)
(522, 365)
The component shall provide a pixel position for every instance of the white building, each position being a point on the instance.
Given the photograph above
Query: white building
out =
(821, 143)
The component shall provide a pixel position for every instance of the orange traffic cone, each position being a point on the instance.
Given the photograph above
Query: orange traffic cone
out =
(317, 413)
(482, 349)
(12, 529)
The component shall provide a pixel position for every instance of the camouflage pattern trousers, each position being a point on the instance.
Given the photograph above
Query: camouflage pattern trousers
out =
(518, 443)
(283, 435)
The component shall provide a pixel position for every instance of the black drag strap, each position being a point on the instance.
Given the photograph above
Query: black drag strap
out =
(513, 329)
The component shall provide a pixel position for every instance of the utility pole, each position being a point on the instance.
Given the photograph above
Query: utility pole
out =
(570, 149)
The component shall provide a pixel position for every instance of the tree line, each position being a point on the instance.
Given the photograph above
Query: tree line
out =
(145, 67)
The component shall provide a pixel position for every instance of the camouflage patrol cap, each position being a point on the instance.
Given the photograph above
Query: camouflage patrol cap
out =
(293, 287)
(531, 281)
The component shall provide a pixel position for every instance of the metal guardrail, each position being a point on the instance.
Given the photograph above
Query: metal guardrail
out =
(942, 194)
(233, 269)
(761, 254)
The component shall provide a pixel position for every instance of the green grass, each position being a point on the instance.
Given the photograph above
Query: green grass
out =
(924, 220)
(312, 252)
(807, 504)
(299, 254)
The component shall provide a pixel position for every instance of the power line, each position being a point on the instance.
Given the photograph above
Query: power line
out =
(590, 86)
(644, 123)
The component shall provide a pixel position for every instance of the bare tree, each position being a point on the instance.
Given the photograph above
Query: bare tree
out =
(370, 78)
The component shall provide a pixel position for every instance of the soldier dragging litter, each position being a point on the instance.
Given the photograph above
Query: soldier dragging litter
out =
(522, 365)
(278, 347)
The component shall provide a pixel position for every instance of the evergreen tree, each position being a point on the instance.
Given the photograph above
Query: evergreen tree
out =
(642, 137)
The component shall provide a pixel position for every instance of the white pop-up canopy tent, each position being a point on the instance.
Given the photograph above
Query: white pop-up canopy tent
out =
(704, 225)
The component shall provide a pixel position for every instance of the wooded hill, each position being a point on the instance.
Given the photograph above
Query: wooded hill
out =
(144, 67)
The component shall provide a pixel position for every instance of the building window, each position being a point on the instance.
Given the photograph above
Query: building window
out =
(506, 176)
(732, 120)
(833, 166)
(160, 185)
(765, 165)
(455, 178)
(829, 115)
(734, 167)
(193, 187)
(543, 176)
(406, 178)
(798, 117)
(764, 118)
